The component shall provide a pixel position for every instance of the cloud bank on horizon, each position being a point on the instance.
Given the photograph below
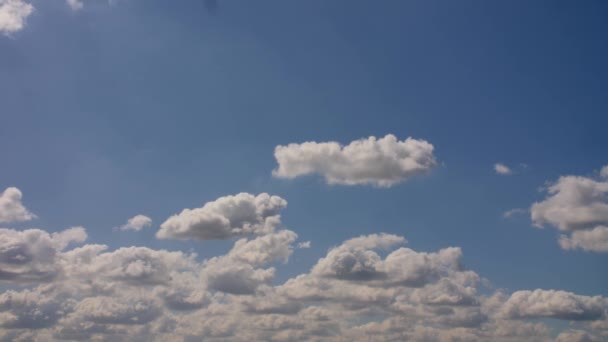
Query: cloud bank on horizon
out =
(64, 289)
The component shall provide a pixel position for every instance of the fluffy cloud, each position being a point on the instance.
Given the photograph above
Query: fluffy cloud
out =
(578, 206)
(225, 218)
(137, 223)
(11, 208)
(380, 162)
(595, 240)
(33, 255)
(264, 249)
(13, 14)
(502, 169)
(554, 304)
(366, 288)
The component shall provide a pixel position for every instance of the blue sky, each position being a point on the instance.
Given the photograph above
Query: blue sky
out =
(150, 107)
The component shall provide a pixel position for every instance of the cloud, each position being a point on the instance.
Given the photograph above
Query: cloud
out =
(75, 4)
(594, 240)
(514, 212)
(32, 255)
(366, 288)
(137, 223)
(554, 304)
(11, 208)
(304, 245)
(264, 249)
(225, 218)
(502, 169)
(13, 15)
(577, 206)
(119, 311)
(380, 162)
(604, 172)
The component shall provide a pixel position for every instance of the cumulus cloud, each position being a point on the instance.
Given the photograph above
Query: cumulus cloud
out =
(502, 169)
(11, 208)
(225, 218)
(577, 206)
(137, 223)
(369, 287)
(264, 249)
(380, 162)
(13, 15)
(554, 304)
(594, 240)
(32, 255)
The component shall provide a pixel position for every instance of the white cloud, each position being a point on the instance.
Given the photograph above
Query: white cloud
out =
(554, 304)
(11, 208)
(225, 218)
(13, 14)
(577, 206)
(32, 255)
(595, 240)
(264, 249)
(137, 223)
(304, 245)
(380, 162)
(604, 172)
(514, 212)
(61, 292)
(502, 169)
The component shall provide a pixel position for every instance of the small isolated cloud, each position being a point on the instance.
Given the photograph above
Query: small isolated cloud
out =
(578, 207)
(380, 162)
(11, 208)
(514, 212)
(137, 223)
(502, 169)
(304, 245)
(13, 14)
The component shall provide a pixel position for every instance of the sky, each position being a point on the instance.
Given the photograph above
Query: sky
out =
(303, 170)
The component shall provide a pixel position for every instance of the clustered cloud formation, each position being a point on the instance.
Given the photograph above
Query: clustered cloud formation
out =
(371, 287)
(578, 207)
(381, 162)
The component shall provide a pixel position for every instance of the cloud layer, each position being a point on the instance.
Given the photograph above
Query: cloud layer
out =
(380, 162)
(369, 287)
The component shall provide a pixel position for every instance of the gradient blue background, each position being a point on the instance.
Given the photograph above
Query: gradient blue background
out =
(149, 107)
